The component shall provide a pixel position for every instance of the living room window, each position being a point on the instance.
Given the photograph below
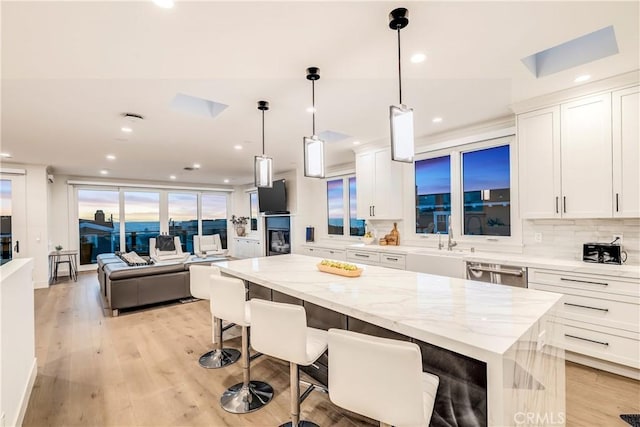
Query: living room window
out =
(214, 216)
(99, 226)
(183, 218)
(433, 194)
(142, 220)
(253, 210)
(341, 193)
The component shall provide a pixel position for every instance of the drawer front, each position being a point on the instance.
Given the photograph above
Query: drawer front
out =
(372, 258)
(336, 254)
(311, 251)
(393, 261)
(625, 351)
(599, 311)
(587, 282)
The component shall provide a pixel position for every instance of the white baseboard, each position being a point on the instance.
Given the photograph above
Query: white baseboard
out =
(603, 365)
(24, 401)
(41, 284)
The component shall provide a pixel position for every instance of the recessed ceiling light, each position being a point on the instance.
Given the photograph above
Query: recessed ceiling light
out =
(126, 129)
(226, 180)
(104, 172)
(165, 4)
(111, 157)
(238, 147)
(356, 142)
(6, 155)
(172, 177)
(196, 165)
(311, 110)
(417, 58)
(437, 120)
(582, 78)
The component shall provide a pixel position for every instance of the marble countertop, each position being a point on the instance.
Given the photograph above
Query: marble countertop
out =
(477, 319)
(575, 266)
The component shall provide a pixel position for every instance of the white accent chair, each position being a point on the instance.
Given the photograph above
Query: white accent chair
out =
(204, 246)
(200, 287)
(228, 302)
(280, 330)
(166, 256)
(398, 394)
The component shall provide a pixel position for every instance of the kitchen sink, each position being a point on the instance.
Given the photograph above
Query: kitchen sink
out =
(440, 262)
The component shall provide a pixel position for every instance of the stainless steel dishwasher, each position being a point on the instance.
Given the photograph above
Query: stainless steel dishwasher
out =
(497, 273)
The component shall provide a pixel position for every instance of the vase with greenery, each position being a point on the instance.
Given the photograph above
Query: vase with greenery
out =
(239, 222)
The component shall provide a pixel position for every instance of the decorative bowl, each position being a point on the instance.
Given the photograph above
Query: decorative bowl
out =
(368, 240)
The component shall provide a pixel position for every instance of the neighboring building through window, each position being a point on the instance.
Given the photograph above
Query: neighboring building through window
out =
(356, 226)
(99, 226)
(487, 192)
(433, 194)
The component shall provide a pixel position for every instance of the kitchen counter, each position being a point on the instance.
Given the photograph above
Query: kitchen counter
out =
(575, 266)
(504, 327)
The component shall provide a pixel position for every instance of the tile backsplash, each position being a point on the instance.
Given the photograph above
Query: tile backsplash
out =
(563, 238)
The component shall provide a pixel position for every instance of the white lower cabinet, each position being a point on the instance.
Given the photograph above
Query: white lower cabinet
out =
(600, 314)
(247, 248)
(329, 253)
(363, 257)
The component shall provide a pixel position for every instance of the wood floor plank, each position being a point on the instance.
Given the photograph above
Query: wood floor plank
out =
(141, 369)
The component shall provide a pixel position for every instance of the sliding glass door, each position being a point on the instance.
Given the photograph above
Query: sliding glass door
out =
(142, 219)
(13, 228)
(98, 222)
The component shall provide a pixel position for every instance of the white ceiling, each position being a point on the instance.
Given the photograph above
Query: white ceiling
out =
(70, 68)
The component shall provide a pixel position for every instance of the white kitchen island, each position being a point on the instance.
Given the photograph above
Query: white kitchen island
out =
(505, 331)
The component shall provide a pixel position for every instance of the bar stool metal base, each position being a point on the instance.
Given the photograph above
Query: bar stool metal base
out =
(301, 423)
(217, 358)
(241, 399)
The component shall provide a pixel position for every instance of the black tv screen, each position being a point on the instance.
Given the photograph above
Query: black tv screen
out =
(273, 200)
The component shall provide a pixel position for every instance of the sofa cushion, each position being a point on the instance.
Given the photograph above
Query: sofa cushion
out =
(121, 271)
(165, 243)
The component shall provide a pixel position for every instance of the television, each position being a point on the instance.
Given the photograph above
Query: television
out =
(273, 200)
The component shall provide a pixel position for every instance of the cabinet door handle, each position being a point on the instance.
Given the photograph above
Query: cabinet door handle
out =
(583, 281)
(374, 210)
(362, 255)
(557, 209)
(617, 202)
(586, 306)
(331, 252)
(564, 204)
(391, 259)
(370, 211)
(310, 249)
(586, 339)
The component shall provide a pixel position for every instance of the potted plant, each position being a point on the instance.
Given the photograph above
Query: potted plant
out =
(239, 222)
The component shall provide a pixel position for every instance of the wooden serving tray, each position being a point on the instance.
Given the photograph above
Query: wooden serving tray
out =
(340, 271)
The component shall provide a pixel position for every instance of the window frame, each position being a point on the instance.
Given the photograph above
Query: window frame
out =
(457, 194)
(346, 216)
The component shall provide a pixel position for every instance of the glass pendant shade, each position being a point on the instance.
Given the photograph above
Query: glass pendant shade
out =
(313, 157)
(402, 140)
(263, 171)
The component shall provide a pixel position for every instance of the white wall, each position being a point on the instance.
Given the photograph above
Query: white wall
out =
(18, 365)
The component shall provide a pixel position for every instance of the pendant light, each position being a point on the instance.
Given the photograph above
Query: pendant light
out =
(400, 116)
(263, 165)
(313, 146)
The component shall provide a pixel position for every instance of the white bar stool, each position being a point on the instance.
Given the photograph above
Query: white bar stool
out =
(228, 301)
(399, 394)
(280, 330)
(200, 287)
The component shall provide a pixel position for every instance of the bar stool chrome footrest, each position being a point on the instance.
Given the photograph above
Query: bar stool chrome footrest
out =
(242, 399)
(217, 358)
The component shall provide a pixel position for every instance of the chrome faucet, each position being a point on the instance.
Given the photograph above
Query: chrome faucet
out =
(440, 245)
(450, 243)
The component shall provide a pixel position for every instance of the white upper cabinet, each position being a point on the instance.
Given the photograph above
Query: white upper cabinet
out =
(539, 165)
(626, 153)
(586, 156)
(378, 185)
(579, 159)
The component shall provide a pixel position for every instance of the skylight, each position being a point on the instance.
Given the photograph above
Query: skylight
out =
(579, 51)
(199, 106)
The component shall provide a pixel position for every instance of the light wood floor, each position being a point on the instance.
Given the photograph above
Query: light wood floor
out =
(140, 369)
